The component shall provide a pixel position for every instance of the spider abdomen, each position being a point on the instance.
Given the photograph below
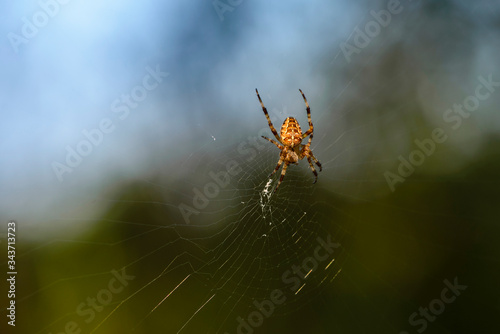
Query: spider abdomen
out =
(291, 134)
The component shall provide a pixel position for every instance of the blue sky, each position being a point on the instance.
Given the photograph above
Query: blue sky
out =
(64, 78)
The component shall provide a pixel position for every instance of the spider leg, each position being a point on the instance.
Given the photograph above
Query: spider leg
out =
(315, 160)
(311, 127)
(274, 142)
(313, 169)
(280, 161)
(271, 126)
(306, 152)
(283, 172)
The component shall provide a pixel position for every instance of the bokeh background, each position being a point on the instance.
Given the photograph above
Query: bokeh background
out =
(171, 88)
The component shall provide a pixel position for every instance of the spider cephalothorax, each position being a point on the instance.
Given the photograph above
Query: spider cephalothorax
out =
(290, 142)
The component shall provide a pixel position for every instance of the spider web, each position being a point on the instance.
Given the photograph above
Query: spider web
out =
(245, 243)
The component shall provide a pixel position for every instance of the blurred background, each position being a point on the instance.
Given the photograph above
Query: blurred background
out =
(133, 166)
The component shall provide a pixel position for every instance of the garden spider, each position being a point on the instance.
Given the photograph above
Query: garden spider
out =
(290, 142)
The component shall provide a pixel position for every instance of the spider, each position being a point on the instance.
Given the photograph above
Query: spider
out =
(290, 142)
